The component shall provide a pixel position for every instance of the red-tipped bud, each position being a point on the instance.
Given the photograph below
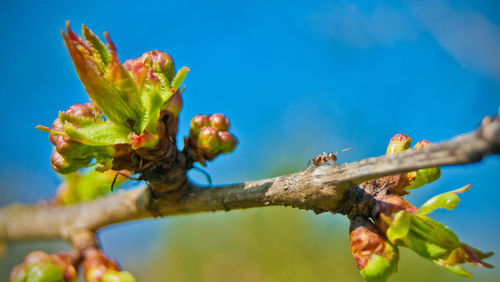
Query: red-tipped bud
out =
(148, 65)
(375, 256)
(421, 144)
(219, 122)
(398, 143)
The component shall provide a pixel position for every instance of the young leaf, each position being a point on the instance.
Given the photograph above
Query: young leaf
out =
(98, 134)
(179, 78)
(448, 200)
(399, 227)
(96, 44)
(104, 96)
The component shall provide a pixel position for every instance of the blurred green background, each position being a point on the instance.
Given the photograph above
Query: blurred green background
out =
(296, 79)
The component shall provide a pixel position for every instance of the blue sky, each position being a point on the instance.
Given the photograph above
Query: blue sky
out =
(296, 79)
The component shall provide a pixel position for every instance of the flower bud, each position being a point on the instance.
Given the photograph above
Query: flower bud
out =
(64, 144)
(227, 142)
(117, 276)
(145, 68)
(375, 256)
(424, 176)
(199, 122)
(87, 110)
(18, 273)
(398, 143)
(209, 140)
(63, 165)
(209, 137)
(39, 266)
(219, 122)
(174, 104)
(96, 264)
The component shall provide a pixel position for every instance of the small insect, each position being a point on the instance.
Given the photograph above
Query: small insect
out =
(325, 158)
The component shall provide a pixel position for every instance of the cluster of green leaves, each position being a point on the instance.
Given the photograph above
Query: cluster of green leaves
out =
(131, 99)
(431, 239)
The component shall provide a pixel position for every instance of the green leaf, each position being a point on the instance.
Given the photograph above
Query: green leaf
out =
(96, 44)
(165, 90)
(457, 269)
(448, 200)
(98, 134)
(152, 102)
(434, 231)
(89, 185)
(78, 121)
(123, 83)
(104, 96)
(179, 78)
(50, 130)
(399, 227)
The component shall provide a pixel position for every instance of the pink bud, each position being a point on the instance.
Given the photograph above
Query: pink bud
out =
(64, 166)
(421, 144)
(87, 110)
(36, 256)
(199, 122)
(219, 122)
(174, 104)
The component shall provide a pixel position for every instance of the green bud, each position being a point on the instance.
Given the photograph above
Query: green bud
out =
(375, 257)
(41, 267)
(19, 273)
(422, 176)
(45, 272)
(63, 165)
(227, 142)
(209, 140)
(117, 276)
(398, 143)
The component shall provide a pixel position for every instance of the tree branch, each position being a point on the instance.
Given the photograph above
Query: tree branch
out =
(320, 189)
